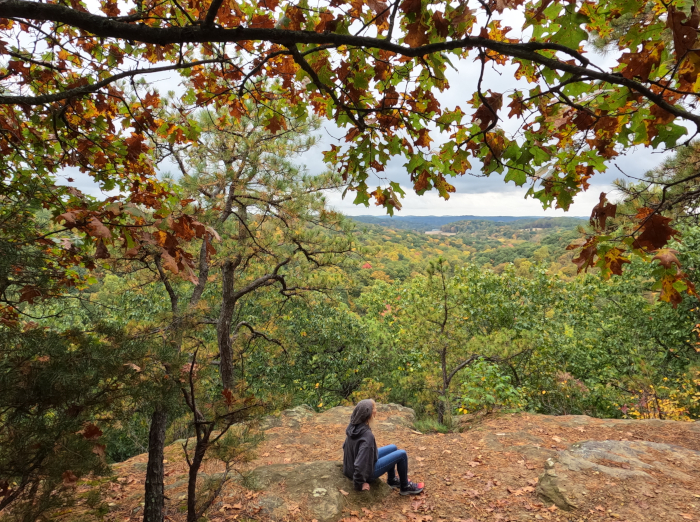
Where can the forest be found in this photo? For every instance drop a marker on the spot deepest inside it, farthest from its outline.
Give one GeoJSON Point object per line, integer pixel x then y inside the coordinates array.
{"type": "Point", "coordinates": [212, 284]}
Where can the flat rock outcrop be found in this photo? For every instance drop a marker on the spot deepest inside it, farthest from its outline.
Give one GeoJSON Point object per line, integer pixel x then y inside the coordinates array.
{"type": "Point", "coordinates": [322, 485]}
{"type": "Point", "coordinates": [512, 467]}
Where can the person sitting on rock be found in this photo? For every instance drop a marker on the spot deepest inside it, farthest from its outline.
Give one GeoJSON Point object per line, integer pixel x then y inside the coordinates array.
{"type": "Point", "coordinates": [363, 463]}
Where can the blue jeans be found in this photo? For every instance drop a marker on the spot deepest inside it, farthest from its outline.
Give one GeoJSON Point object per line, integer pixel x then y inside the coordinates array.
{"type": "Point", "coordinates": [390, 459]}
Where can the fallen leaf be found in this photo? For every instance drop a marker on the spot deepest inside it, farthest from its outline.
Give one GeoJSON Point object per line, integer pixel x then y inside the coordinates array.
{"type": "Point", "coordinates": [69, 478]}
{"type": "Point", "coordinates": [345, 493]}
{"type": "Point", "coordinates": [474, 464]}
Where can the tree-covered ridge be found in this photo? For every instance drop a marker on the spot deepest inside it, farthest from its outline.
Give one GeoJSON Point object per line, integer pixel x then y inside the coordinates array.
{"type": "Point", "coordinates": [422, 223]}
{"type": "Point", "coordinates": [394, 254]}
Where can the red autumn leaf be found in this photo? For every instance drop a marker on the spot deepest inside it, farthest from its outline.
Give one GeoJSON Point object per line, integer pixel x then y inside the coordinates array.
{"type": "Point", "coordinates": [169, 262]}
{"type": "Point", "coordinates": [411, 6]}
{"type": "Point", "coordinates": [69, 218]}
{"type": "Point", "coordinates": [228, 396]}
{"type": "Point", "coordinates": [96, 229]}
{"type": "Point", "coordinates": [29, 294]}
{"type": "Point", "coordinates": [261, 21]}
{"type": "Point", "coordinates": [69, 478]}
{"type": "Point", "coordinates": [378, 6]}
{"type": "Point", "coordinates": [183, 227]}
{"type": "Point", "coordinates": [91, 432]}
{"type": "Point", "coordinates": [641, 64]}
{"type": "Point", "coordinates": [275, 124]}
{"type": "Point", "coordinates": [101, 251]}
{"type": "Point", "coordinates": [268, 4]}
{"type": "Point", "coordinates": [296, 18]}
{"type": "Point", "coordinates": [517, 107]}
{"type": "Point", "coordinates": [417, 34]}
{"type": "Point", "coordinates": [327, 23]}
{"type": "Point", "coordinates": [685, 32]}
{"type": "Point", "coordinates": [135, 146]}
{"type": "Point", "coordinates": [656, 232]}
{"type": "Point", "coordinates": [586, 257]}
{"type": "Point", "coordinates": [602, 211]}
{"type": "Point", "coordinates": [441, 25]}
{"type": "Point", "coordinates": [487, 113]}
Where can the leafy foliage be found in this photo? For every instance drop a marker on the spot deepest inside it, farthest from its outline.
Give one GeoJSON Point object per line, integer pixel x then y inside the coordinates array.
{"type": "Point", "coordinates": [72, 96]}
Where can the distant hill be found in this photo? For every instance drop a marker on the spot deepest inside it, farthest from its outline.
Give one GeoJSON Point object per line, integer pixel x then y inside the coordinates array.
{"type": "Point", "coordinates": [423, 223]}
{"type": "Point", "coordinates": [396, 248]}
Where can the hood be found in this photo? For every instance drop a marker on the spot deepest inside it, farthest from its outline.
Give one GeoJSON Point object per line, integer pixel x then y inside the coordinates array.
{"type": "Point", "coordinates": [356, 431]}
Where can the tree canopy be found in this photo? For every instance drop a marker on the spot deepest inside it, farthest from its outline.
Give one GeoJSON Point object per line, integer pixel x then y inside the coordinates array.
{"type": "Point", "coordinates": [376, 68]}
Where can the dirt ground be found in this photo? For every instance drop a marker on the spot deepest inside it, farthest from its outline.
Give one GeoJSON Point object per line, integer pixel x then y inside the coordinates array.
{"type": "Point", "coordinates": [488, 472]}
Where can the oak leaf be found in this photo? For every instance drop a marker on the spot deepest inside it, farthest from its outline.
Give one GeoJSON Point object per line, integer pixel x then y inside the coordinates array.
{"type": "Point", "coordinates": [656, 232]}
{"type": "Point", "coordinates": [602, 211]}
{"type": "Point", "coordinates": [586, 257]}
{"type": "Point", "coordinates": [29, 294]}
{"type": "Point", "coordinates": [614, 259]}
{"type": "Point", "coordinates": [90, 432]}
{"type": "Point", "coordinates": [69, 478]}
{"type": "Point", "coordinates": [169, 262]}
{"type": "Point", "coordinates": [96, 229]}
{"type": "Point", "coordinates": [417, 34]}
{"type": "Point", "coordinates": [411, 6]}
{"type": "Point", "coordinates": [487, 113]}
{"type": "Point", "coordinates": [667, 258]}
{"type": "Point", "coordinates": [101, 251]}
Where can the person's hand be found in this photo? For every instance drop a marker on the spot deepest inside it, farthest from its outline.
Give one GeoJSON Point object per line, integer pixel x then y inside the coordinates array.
{"type": "Point", "coordinates": [365, 487]}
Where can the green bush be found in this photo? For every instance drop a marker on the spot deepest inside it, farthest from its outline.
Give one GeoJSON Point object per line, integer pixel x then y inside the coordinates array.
{"type": "Point", "coordinates": [487, 387]}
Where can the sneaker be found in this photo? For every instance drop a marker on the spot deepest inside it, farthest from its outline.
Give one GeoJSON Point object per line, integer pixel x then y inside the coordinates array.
{"type": "Point", "coordinates": [411, 489]}
{"type": "Point", "coordinates": [395, 484]}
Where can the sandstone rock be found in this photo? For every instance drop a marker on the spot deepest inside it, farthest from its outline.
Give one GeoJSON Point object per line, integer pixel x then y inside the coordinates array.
{"type": "Point", "coordinates": [294, 417]}
{"type": "Point", "coordinates": [318, 483]}
{"type": "Point", "coordinates": [621, 460]}
{"type": "Point", "coordinates": [556, 489]}
{"type": "Point", "coordinates": [291, 418]}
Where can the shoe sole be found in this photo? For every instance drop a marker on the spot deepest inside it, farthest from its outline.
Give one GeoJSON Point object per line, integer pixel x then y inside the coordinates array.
{"type": "Point", "coordinates": [406, 493]}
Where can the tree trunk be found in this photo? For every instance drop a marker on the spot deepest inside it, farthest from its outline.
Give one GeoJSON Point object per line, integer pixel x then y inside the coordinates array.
{"type": "Point", "coordinates": [445, 385]}
{"type": "Point", "coordinates": [199, 451]}
{"type": "Point", "coordinates": [153, 510]}
{"type": "Point", "coordinates": [223, 328]}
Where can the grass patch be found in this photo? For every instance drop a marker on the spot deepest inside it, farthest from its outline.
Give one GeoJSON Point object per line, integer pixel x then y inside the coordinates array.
{"type": "Point", "coordinates": [430, 426]}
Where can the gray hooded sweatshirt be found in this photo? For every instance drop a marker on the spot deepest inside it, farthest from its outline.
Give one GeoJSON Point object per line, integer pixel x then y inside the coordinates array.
{"type": "Point", "coordinates": [360, 448]}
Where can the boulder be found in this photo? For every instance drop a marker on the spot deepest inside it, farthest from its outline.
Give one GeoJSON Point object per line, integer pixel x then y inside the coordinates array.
{"type": "Point", "coordinates": [562, 483]}
{"type": "Point", "coordinates": [321, 485]}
